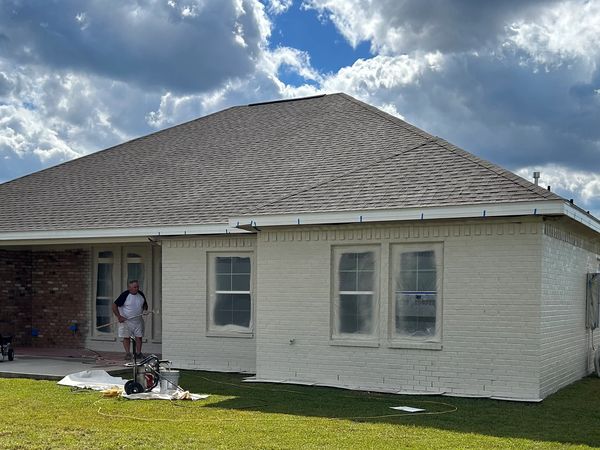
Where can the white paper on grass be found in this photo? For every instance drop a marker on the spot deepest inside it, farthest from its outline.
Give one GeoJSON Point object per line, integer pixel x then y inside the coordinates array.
{"type": "Point", "coordinates": [97, 380]}
{"type": "Point", "coordinates": [156, 395]}
{"type": "Point", "coordinates": [407, 409]}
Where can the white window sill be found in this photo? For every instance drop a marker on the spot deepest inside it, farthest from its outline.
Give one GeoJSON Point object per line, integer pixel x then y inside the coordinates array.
{"type": "Point", "coordinates": [248, 335]}
{"type": "Point", "coordinates": [416, 345]}
{"type": "Point", "coordinates": [353, 343]}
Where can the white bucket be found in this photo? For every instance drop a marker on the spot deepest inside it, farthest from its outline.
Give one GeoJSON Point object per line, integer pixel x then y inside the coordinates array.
{"type": "Point", "coordinates": [169, 380]}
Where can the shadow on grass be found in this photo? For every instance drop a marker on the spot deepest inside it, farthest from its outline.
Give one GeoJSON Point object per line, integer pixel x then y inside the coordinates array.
{"type": "Point", "coordinates": [571, 416]}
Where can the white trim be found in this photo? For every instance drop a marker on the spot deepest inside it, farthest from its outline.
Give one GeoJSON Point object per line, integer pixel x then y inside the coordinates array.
{"type": "Point", "coordinates": [586, 219]}
{"type": "Point", "coordinates": [550, 207]}
{"type": "Point", "coordinates": [168, 230]}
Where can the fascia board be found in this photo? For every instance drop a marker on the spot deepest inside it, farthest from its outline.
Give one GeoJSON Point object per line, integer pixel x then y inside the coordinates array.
{"type": "Point", "coordinates": [101, 233]}
{"type": "Point", "coordinates": [547, 207]}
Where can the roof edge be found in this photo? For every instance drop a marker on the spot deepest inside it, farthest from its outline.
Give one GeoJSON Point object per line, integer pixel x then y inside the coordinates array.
{"type": "Point", "coordinates": [506, 209]}
{"type": "Point", "coordinates": [14, 237]}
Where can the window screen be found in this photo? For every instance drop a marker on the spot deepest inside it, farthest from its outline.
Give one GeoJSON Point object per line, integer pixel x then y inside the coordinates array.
{"type": "Point", "coordinates": [354, 302]}
{"type": "Point", "coordinates": [231, 297]}
{"type": "Point", "coordinates": [417, 285]}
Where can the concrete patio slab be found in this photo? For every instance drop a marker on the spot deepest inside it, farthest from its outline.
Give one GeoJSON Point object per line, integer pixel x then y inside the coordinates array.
{"type": "Point", "coordinates": [45, 368]}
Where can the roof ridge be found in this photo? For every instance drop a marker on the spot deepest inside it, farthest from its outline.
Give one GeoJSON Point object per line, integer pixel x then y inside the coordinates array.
{"type": "Point", "coordinates": [510, 176]}
{"type": "Point", "coordinates": [342, 175]}
{"type": "Point", "coordinates": [113, 147]}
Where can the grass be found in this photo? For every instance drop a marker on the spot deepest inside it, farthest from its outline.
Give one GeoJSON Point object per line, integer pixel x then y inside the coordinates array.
{"type": "Point", "coordinates": [42, 415]}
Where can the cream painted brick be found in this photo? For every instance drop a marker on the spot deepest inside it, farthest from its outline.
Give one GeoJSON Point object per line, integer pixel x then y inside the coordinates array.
{"type": "Point", "coordinates": [185, 341]}
{"type": "Point", "coordinates": [491, 310]}
{"type": "Point", "coordinates": [565, 342]}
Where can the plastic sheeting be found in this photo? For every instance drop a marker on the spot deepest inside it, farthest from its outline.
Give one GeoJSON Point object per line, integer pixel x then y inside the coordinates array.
{"type": "Point", "coordinates": [355, 297]}
{"type": "Point", "coordinates": [230, 293]}
{"type": "Point", "coordinates": [592, 299]}
{"type": "Point", "coordinates": [417, 283]}
{"type": "Point", "coordinates": [97, 380]}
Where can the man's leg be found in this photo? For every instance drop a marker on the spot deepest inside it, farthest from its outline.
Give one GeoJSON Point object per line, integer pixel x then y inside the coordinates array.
{"type": "Point", "coordinates": [126, 344]}
{"type": "Point", "coordinates": [138, 345]}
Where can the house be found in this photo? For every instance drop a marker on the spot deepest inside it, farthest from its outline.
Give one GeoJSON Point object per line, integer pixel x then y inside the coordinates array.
{"type": "Point", "coordinates": [316, 240]}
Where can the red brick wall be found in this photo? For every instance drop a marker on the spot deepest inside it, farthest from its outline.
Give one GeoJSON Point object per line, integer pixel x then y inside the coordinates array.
{"type": "Point", "coordinates": [47, 290]}
{"type": "Point", "coordinates": [15, 295]}
{"type": "Point", "coordinates": [59, 297]}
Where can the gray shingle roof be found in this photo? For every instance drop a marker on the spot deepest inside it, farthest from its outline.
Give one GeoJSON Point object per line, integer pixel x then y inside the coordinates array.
{"type": "Point", "coordinates": [325, 153]}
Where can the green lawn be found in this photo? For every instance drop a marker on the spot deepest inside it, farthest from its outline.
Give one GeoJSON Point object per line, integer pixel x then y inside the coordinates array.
{"type": "Point", "coordinates": [40, 414]}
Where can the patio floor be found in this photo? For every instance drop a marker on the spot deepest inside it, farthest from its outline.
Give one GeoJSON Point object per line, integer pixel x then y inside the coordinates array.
{"type": "Point", "coordinates": [55, 363]}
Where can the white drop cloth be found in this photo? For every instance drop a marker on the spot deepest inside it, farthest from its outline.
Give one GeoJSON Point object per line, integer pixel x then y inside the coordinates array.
{"type": "Point", "coordinates": [98, 380]}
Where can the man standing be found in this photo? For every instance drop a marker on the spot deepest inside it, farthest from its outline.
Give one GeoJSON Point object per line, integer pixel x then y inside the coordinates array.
{"type": "Point", "coordinates": [129, 308]}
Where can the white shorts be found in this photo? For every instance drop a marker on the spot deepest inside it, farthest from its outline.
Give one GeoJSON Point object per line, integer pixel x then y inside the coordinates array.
{"type": "Point", "coordinates": [132, 327]}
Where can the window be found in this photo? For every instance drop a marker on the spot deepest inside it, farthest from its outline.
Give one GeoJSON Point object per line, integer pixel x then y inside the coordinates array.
{"type": "Point", "coordinates": [230, 293]}
{"type": "Point", "coordinates": [135, 268]}
{"type": "Point", "coordinates": [354, 306]}
{"type": "Point", "coordinates": [416, 282]}
{"type": "Point", "coordinates": [104, 291]}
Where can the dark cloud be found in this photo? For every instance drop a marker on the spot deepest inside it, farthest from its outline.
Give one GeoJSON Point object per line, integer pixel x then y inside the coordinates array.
{"type": "Point", "coordinates": [177, 46]}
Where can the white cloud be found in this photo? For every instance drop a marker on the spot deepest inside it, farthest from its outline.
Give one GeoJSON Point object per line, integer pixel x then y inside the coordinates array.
{"type": "Point", "coordinates": [581, 185]}
{"type": "Point", "coordinates": [560, 33]}
{"type": "Point", "coordinates": [279, 6]}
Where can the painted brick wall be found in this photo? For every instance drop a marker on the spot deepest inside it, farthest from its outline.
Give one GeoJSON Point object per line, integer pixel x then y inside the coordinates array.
{"type": "Point", "coordinates": [44, 290]}
{"type": "Point", "coordinates": [491, 310]}
{"type": "Point", "coordinates": [15, 295]}
{"type": "Point", "coordinates": [185, 340]}
{"type": "Point", "coordinates": [565, 342]}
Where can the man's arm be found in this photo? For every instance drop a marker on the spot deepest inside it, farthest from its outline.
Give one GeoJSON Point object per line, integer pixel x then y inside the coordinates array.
{"type": "Point", "coordinates": [145, 307]}
{"type": "Point", "coordinates": [119, 302]}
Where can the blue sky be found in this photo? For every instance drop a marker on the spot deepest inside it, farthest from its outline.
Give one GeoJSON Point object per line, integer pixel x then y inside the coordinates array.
{"type": "Point", "coordinates": [515, 82]}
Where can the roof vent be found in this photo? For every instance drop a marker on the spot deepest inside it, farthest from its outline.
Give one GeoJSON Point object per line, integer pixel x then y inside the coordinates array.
{"type": "Point", "coordinates": [536, 178]}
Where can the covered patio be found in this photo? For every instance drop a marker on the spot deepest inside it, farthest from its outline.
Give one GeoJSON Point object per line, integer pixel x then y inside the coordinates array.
{"type": "Point", "coordinates": [55, 363]}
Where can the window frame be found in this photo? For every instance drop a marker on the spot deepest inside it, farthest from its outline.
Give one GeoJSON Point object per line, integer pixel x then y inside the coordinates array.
{"type": "Point", "coordinates": [211, 292]}
{"type": "Point", "coordinates": [354, 339]}
{"type": "Point", "coordinates": [426, 342]}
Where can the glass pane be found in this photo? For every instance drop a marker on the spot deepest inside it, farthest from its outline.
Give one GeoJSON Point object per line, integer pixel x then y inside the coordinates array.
{"type": "Point", "coordinates": [240, 265]}
{"type": "Point", "coordinates": [105, 254]}
{"type": "Point", "coordinates": [408, 261]}
{"type": "Point", "coordinates": [240, 282]}
{"type": "Point", "coordinates": [348, 261]}
{"type": "Point", "coordinates": [347, 281]}
{"type": "Point", "coordinates": [224, 282]}
{"type": "Point", "coordinates": [104, 284]}
{"type": "Point", "coordinates": [406, 281]}
{"type": "Point", "coordinates": [356, 314]}
{"type": "Point", "coordinates": [426, 260]}
{"type": "Point", "coordinates": [365, 281]}
{"type": "Point", "coordinates": [416, 314]}
{"type": "Point", "coordinates": [135, 271]}
{"type": "Point", "coordinates": [241, 302]}
{"type": "Point", "coordinates": [133, 255]}
{"type": "Point", "coordinates": [103, 314]}
{"type": "Point", "coordinates": [232, 309]}
{"type": "Point", "coordinates": [427, 281]}
{"type": "Point", "coordinates": [365, 261]}
{"type": "Point", "coordinates": [222, 312]}
{"type": "Point", "coordinates": [223, 264]}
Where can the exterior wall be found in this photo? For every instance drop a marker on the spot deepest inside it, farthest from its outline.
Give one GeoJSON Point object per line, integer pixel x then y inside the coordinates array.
{"type": "Point", "coordinates": [15, 295]}
{"type": "Point", "coordinates": [59, 297]}
{"type": "Point", "coordinates": [568, 255]}
{"type": "Point", "coordinates": [490, 318]}
{"type": "Point", "coordinates": [44, 291]}
{"type": "Point", "coordinates": [185, 338]}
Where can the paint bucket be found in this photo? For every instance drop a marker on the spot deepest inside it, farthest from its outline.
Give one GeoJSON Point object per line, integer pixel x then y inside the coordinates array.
{"type": "Point", "coordinates": [169, 380]}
